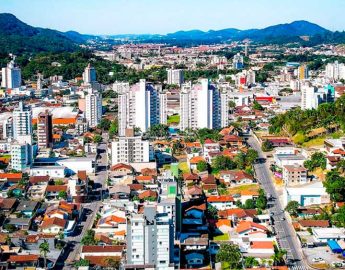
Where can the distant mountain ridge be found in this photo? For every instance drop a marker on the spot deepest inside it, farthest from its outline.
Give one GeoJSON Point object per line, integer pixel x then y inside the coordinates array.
{"type": "Point", "coordinates": [18, 37]}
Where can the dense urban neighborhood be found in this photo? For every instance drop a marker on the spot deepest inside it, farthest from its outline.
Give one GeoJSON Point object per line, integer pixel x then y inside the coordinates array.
{"type": "Point", "coordinates": [174, 152]}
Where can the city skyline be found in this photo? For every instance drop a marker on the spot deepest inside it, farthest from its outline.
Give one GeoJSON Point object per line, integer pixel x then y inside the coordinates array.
{"type": "Point", "coordinates": [158, 17]}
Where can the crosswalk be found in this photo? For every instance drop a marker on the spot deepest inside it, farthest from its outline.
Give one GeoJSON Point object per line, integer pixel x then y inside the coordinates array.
{"type": "Point", "coordinates": [298, 267]}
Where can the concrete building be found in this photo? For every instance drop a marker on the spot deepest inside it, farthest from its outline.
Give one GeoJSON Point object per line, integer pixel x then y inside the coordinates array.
{"type": "Point", "coordinates": [142, 106]}
{"type": "Point", "coordinates": [302, 72]}
{"type": "Point", "coordinates": [89, 74]}
{"type": "Point", "coordinates": [130, 150]}
{"type": "Point", "coordinates": [335, 71]}
{"type": "Point", "coordinates": [237, 61]}
{"type": "Point", "coordinates": [294, 175]}
{"type": "Point", "coordinates": [11, 76]}
{"type": "Point", "coordinates": [200, 106]}
{"type": "Point", "coordinates": [175, 76]}
{"type": "Point", "coordinates": [7, 128]}
{"type": "Point", "coordinates": [22, 121]}
{"type": "Point", "coordinates": [45, 130]}
{"type": "Point", "coordinates": [150, 240]}
{"type": "Point", "coordinates": [93, 108]}
{"type": "Point", "coordinates": [21, 156]}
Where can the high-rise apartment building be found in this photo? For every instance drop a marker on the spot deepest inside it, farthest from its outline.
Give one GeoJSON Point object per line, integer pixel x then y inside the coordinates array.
{"type": "Point", "coordinates": [89, 74]}
{"type": "Point", "coordinates": [45, 130]}
{"type": "Point", "coordinates": [150, 240]}
{"type": "Point", "coordinates": [22, 121]}
{"type": "Point", "coordinates": [11, 76]}
{"type": "Point", "coordinates": [21, 156]}
{"type": "Point", "coordinates": [175, 76]}
{"type": "Point", "coordinates": [7, 128]}
{"type": "Point", "coordinates": [302, 72]}
{"type": "Point", "coordinates": [141, 105]}
{"type": "Point", "coordinates": [200, 106]}
{"type": "Point", "coordinates": [237, 61]}
{"type": "Point", "coordinates": [131, 149]}
{"type": "Point", "coordinates": [335, 71]}
{"type": "Point", "coordinates": [93, 107]}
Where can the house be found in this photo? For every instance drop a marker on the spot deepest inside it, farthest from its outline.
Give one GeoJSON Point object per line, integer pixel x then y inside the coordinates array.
{"type": "Point", "coordinates": [23, 261]}
{"type": "Point", "coordinates": [194, 192]}
{"type": "Point", "coordinates": [309, 223]}
{"type": "Point", "coordinates": [190, 178]}
{"type": "Point", "coordinates": [119, 192]}
{"type": "Point", "coordinates": [19, 223]}
{"type": "Point", "coordinates": [232, 141]}
{"type": "Point", "coordinates": [148, 194]}
{"type": "Point", "coordinates": [294, 174]}
{"type": "Point", "coordinates": [261, 247]}
{"type": "Point", "coordinates": [145, 179]}
{"type": "Point", "coordinates": [121, 169]}
{"type": "Point", "coordinates": [112, 224]}
{"type": "Point", "coordinates": [233, 177]}
{"type": "Point", "coordinates": [221, 202]}
{"type": "Point", "coordinates": [210, 147]}
{"type": "Point", "coordinates": [248, 195]}
{"type": "Point", "coordinates": [238, 214]}
{"type": "Point", "coordinates": [27, 208]}
{"type": "Point", "coordinates": [195, 259]}
{"type": "Point", "coordinates": [8, 205]}
{"type": "Point", "coordinates": [53, 225]}
{"type": "Point", "coordinates": [53, 191]}
{"type": "Point", "coordinates": [193, 162]}
{"type": "Point", "coordinates": [105, 251]}
{"type": "Point", "coordinates": [247, 227]}
{"type": "Point", "coordinates": [223, 226]}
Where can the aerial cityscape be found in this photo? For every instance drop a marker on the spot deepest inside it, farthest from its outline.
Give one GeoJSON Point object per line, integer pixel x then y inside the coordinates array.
{"type": "Point", "coordinates": [178, 135]}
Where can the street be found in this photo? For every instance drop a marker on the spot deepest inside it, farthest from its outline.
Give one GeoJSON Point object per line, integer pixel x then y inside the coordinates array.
{"type": "Point", "coordinates": [285, 233]}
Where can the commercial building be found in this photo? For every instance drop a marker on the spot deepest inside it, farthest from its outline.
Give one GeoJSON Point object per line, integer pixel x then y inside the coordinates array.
{"type": "Point", "coordinates": [142, 106]}
{"type": "Point", "coordinates": [202, 105]}
{"type": "Point", "coordinates": [294, 174]}
{"type": "Point", "coordinates": [45, 130]}
{"type": "Point", "coordinates": [175, 76]}
{"type": "Point", "coordinates": [93, 107]}
{"type": "Point", "coordinates": [150, 240]}
{"type": "Point", "coordinates": [11, 76]}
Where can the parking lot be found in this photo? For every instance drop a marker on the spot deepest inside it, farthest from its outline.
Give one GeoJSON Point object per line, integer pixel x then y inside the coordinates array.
{"type": "Point", "coordinates": [323, 252]}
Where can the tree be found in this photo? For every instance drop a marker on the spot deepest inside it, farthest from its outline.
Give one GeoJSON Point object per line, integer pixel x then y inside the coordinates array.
{"type": "Point", "coordinates": [89, 238]}
{"type": "Point", "coordinates": [230, 254]}
{"type": "Point", "coordinates": [111, 263]}
{"type": "Point", "coordinates": [250, 262]}
{"type": "Point", "coordinates": [97, 138]}
{"type": "Point", "coordinates": [251, 156]}
{"type": "Point", "coordinates": [81, 262]}
{"type": "Point", "coordinates": [292, 208]}
{"type": "Point", "coordinates": [317, 160]}
{"type": "Point", "coordinates": [104, 124]}
{"type": "Point", "coordinates": [159, 131]}
{"type": "Point", "coordinates": [10, 228]}
{"type": "Point", "coordinates": [335, 186]}
{"type": "Point", "coordinates": [249, 204]}
{"type": "Point", "coordinates": [278, 257]}
{"type": "Point", "coordinates": [62, 195]}
{"type": "Point", "coordinates": [202, 166]}
{"type": "Point", "coordinates": [113, 129]}
{"type": "Point", "coordinates": [212, 212]}
{"type": "Point", "coordinates": [223, 163]}
{"type": "Point", "coordinates": [267, 146]}
{"type": "Point", "coordinates": [261, 201]}
{"type": "Point", "coordinates": [257, 106]}
{"type": "Point", "coordinates": [44, 250]}
{"type": "Point", "coordinates": [339, 217]}
{"type": "Point", "coordinates": [240, 160]}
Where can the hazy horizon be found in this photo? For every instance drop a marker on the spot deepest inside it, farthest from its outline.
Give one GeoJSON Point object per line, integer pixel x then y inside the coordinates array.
{"type": "Point", "coordinates": [114, 17]}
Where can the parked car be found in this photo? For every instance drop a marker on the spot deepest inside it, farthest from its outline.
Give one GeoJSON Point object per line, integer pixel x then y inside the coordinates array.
{"type": "Point", "coordinates": [318, 260]}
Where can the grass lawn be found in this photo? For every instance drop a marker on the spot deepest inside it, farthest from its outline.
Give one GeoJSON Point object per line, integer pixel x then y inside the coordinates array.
{"type": "Point", "coordinates": [225, 266]}
{"type": "Point", "coordinates": [249, 187]}
{"type": "Point", "coordinates": [183, 166]}
{"type": "Point", "coordinates": [6, 156]}
{"type": "Point", "coordinates": [314, 142]}
{"type": "Point", "coordinates": [222, 237]}
{"type": "Point", "coordinates": [174, 119]}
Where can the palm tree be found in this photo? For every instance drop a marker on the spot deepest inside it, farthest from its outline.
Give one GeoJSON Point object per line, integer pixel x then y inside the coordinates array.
{"type": "Point", "coordinates": [44, 250]}
{"type": "Point", "coordinates": [278, 256]}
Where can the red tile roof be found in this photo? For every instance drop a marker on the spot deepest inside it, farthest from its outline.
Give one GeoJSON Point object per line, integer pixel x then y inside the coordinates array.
{"type": "Point", "coordinates": [23, 258]}
{"type": "Point", "coordinates": [49, 222]}
{"type": "Point", "coordinates": [102, 249]}
{"type": "Point", "coordinates": [222, 198]}
{"type": "Point", "coordinates": [261, 245]}
{"type": "Point", "coordinates": [243, 226]}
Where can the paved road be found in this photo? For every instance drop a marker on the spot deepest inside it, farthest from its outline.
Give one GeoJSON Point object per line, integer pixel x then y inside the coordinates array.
{"type": "Point", "coordinates": [286, 235]}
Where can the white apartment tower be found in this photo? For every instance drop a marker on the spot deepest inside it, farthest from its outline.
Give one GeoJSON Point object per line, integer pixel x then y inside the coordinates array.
{"type": "Point", "coordinates": [11, 76]}
{"type": "Point", "coordinates": [150, 240]}
{"type": "Point", "coordinates": [175, 76]}
{"type": "Point", "coordinates": [335, 71]}
{"type": "Point", "coordinates": [200, 106]}
{"type": "Point", "coordinates": [21, 156]}
{"type": "Point", "coordinates": [93, 107]}
{"type": "Point", "coordinates": [308, 97]}
{"type": "Point", "coordinates": [89, 74]}
{"type": "Point", "coordinates": [141, 105]}
{"type": "Point", "coordinates": [22, 121]}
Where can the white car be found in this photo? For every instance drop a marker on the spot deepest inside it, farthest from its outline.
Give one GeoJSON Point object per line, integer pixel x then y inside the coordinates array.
{"type": "Point", "coordinates": [318, 260]}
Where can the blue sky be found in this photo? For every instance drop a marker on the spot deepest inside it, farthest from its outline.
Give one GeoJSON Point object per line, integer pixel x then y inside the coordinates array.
{"type": "Point", "coordinates": [165, 16]}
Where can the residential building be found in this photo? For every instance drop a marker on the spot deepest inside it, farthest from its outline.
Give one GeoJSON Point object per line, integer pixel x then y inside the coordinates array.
{"type": "Point", "coordinates": [130, 150]}
{"type": "Point", "coordinates": [7, 128]}
{"type": "Point", "coordinates": [200, 106]}
{"type": "Point", "coordinates": [22, 121]}
{"type": "Point", "coordinates": [302, 72]}
{"type": "Point", "coordinates": [142, 106]}
{"type": "Point", "coordinates": [89, 74]}
{"type": "Point", "coordinates": [335, 71]}
{"type": "Point", "coordinates": [294, 174]}
{"type": "Point", "coordinates": [237, 61]}
{"type": "Point", "coordinates": [11, 76]}
{"type": "Point", "coordinates": [45, 130]}
{"type": "Point", "coordinates": [93, 107]}
{"type": "Point", "coordinates": [150, 240]}
{"type": "Point", "coordinates": [21, 156]}
{"type": "Point", "coordinates": [175, 76]}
